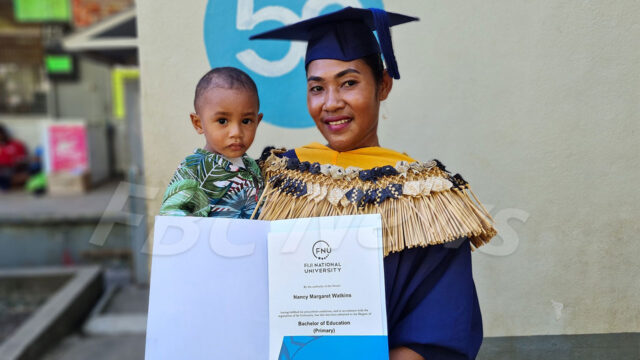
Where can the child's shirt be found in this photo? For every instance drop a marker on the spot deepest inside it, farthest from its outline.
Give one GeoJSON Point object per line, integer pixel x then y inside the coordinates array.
{"type": "Point", "coordinates": [208, 184]}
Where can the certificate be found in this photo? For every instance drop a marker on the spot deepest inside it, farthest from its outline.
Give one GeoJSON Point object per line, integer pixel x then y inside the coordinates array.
{"type": "Point", "coordinates": [326, 289]}
{"type": "Point", "coordinates": [209, 290]}
{"type": "Point", "coordinates": [248, 289]}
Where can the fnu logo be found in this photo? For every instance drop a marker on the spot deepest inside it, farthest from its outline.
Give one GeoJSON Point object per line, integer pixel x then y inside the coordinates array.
{"type": "Point", "coordinates": [276, 66]}
{"type": "Point", "coordinates": [321, 249]}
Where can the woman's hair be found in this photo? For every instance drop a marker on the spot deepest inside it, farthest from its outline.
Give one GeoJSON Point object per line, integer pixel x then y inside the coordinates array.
{"type": "Point", "coordinates": [374, 62]}
{"type": "Point", "coordinates": [377, 68]}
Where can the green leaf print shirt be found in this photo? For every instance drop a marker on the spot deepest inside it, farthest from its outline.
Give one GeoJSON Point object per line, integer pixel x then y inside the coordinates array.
{"type": "Point", "coordinates": [207, 184]}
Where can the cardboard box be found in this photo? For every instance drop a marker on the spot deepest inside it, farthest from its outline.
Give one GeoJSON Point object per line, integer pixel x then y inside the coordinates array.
{"type": "Point", "coordinates": [68, 183]}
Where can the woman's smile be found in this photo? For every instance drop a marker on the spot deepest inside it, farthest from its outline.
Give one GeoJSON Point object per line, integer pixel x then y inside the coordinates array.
{"type": "Point", "coordinates": [337, 123]}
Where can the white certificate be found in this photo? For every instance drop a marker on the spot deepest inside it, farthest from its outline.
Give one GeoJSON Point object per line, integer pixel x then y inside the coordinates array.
{"type": "Point", "coordinates": [326, 289]}
{"type": "Point", "coordinates": [209, 291]}
{"type": "Point", "coordinates": [211, 296]}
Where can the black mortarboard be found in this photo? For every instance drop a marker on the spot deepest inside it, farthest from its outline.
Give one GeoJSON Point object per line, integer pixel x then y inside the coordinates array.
{"type": "Point", "coordinates": [345, 35]}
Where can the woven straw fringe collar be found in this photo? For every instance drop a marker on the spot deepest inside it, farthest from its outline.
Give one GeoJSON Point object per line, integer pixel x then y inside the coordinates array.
{"type": "Point", "coordinates": [421, 204]}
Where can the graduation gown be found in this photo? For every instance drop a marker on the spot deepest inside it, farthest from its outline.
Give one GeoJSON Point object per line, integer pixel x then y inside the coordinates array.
{"type": "Point", "coordinates": [432, 305]}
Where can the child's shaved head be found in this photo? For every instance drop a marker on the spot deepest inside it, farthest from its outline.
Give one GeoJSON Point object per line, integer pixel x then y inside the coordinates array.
{"type": "Point", "coordinates": [225, 78]}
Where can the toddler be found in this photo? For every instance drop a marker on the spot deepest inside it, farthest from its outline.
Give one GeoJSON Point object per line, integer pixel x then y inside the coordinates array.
{"type": "Point", "coordinates": [219, 179]}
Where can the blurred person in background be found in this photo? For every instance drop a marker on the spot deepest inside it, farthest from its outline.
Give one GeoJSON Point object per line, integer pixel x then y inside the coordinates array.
{"type": "Point", "coordinates": [13, 161]}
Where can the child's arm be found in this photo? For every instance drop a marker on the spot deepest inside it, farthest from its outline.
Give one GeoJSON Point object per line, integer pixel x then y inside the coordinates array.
{"type": "Point", "coordinates": [184, 198]}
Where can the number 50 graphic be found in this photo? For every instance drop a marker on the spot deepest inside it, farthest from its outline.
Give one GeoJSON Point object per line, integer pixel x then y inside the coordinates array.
{"type": "Point", "coordinates": [275, 66]}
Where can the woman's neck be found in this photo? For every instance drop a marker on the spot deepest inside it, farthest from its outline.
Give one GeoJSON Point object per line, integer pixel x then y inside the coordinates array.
{"type": "Point", "coordinates": [364, 143]}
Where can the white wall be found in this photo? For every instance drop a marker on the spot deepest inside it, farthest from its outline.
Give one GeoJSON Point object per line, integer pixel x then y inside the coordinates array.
{"type": "Point", "coordinates": [536, 103]}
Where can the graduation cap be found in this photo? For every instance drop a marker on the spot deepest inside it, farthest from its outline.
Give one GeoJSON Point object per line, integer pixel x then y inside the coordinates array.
{"type": "Point", "coordinates": [345, 35]}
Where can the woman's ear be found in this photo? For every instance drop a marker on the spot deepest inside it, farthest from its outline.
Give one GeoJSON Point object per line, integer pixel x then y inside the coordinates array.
{"type": "Point", "coordinates": [384, 88]}
{"type": "Point", "coordinates": [196, 122]}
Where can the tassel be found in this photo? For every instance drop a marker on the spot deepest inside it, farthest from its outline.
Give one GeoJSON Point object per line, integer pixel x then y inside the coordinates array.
{"type": "Point", "coordinates": [439, 213]}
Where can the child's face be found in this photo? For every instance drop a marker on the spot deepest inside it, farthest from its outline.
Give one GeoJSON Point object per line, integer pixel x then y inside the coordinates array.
{"type": "Point", "coordinates": [228, 118]}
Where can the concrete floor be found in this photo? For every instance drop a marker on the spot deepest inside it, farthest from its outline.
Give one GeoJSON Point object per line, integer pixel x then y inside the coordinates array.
{"type": "Point", "coordinates": [119, 347]}
{"type": "Point", "coordinates": [563, 347]}
{"type": "Point", "coordinates": [129, 299]}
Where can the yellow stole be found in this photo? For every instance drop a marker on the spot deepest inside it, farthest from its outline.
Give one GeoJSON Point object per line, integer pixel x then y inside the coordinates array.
{"type": "Point", "coordinates": [365, 158]}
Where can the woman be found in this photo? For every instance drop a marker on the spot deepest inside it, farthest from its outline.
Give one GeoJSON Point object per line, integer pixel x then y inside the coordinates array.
{"type": "Point", "coordinates": [429, 218]}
